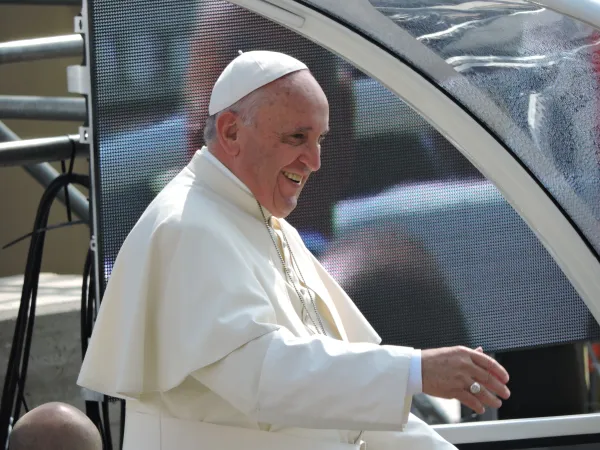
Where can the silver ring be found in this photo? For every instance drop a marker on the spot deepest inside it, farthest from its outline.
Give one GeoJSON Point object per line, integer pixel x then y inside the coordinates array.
{"type": "Point", "coordinates": [475, 388]}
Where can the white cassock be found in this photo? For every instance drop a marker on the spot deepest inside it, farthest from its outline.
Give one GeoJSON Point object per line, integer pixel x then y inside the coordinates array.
{"type": "Point", "coordinates": [204, 336]}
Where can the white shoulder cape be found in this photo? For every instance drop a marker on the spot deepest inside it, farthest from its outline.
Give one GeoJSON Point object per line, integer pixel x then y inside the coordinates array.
{"type": "Point", "coordinates": [191, 284]}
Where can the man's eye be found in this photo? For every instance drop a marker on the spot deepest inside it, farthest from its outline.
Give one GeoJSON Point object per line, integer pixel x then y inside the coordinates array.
{"type": "Point", "coordinates": [296, 139]}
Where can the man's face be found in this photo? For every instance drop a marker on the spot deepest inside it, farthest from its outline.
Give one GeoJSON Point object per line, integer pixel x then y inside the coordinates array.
{"type": "Point", "coordinates": [282, 146]}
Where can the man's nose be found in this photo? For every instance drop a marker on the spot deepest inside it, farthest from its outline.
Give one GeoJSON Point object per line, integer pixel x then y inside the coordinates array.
{"type": "Point", "coordinates": [312, 157]}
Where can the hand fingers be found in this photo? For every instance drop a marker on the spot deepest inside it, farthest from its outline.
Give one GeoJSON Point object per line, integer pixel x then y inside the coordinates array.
{"type": "Point", "coordinates": [468, 399]}
{"type": "Point", "coordinates": [490, 365]}
{"type": "Point", "coordinates": [489, 399]}
{"type": "Point", "coordinates": [479, 349]}
{"type": "Point", "coordinates": [478, 402]}
{"type": "Point", "coordinates": [490, 382]}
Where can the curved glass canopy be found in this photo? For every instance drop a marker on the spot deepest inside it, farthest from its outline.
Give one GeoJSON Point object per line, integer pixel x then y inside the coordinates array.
{"type": "Point", "coordinates": [529, 74]}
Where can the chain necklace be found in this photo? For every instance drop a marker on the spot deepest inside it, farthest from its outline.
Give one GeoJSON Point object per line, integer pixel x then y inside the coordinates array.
{"type": "Point", "coordinates": [289, 275]}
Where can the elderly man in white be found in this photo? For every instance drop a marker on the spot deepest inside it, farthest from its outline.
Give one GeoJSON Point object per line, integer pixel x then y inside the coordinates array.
{"type": "Point", "coordinates": [222, 331]}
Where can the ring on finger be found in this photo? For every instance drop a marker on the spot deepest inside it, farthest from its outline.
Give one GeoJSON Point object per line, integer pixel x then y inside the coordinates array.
{"type": "Point", "coordinates": [475, 388]}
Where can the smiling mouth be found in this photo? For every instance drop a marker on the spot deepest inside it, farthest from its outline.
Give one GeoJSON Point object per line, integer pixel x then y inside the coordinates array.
{"type": "Point", "coordinates": [293, 177]}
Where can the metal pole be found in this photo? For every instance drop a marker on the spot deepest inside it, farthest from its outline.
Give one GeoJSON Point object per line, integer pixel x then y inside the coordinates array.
{"type": "Point", "coordinates": [30, 151]}
{"type": "Point", "coordinates": [42, 2]}
{"type": "Point", "coordinates": [42, 48]}
{"type": "Point", "coordinates": [44, 173]}
{"type": "Point", "coordinates": [42, 108]}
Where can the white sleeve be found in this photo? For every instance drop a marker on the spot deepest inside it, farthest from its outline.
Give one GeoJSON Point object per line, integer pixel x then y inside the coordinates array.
{"type": "Point", "coordinates": [415, 375]}
{"type": "Point", "coordinates": [315, 382]}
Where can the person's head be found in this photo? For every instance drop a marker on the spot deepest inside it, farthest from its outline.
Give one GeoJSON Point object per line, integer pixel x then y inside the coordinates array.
{"type": "Point", "coordinates": [271, 138]}
{"type": "Point", "coordinates": [55, 426]}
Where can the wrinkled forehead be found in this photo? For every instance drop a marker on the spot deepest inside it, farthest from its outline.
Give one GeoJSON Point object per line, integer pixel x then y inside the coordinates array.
{"type": "Point", "coordinates": [297, 99]}
{"type": "Point", "coordinates": [300, 84]}
{"type": "Point", "coordinates": [299, 113]}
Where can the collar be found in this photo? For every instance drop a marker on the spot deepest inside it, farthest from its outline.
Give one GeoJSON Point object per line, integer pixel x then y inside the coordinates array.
{"type": "Point", "coordinates": [213, 159]}
{"type": "Point", "coordinates": [212, 173]}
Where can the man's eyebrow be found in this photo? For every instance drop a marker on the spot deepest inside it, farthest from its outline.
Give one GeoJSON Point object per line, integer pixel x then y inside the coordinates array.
{"type": "Point", "coordinates": [301, 130]}
{"type": "Point", "coordinates": [304, 129]}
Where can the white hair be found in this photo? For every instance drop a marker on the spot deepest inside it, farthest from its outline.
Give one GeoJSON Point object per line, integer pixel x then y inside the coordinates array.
{"type": "Point", "coordinates": [245, 108]}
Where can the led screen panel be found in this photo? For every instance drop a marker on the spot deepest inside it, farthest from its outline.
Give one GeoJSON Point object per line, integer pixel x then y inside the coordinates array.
{"type": "Point", "coordinates": [427, 247]}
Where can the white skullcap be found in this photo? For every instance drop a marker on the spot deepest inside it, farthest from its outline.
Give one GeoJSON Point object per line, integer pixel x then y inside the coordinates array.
{"type": "Point", "coordinates": [247, 73]}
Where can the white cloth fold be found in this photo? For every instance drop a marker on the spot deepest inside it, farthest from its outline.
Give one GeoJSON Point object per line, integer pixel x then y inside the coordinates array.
{"type": "Point", "coordinates": [287, 380]}
{"type": "Point", "coordinates": [219, 165]}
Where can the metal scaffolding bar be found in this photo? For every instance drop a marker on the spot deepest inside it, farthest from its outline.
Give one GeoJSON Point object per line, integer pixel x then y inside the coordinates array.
{"type": "Point", "coordinates": [41, 48]}
{"type": "Point", "coordinates": [42, 108]}
{"type": "Point", "coordinates": [33, 151]}
{"type": "Point", "coordinates": [42, 2]}
{"type": "Point", "coordinates": [44, 173]}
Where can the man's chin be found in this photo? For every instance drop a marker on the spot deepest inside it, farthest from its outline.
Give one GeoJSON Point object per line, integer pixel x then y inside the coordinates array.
{"type": "Point", "coordinates": [286, 208]}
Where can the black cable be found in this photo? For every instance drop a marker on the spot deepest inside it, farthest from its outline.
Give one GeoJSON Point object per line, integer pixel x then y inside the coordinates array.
{"type": "Point", "coordinates": [67, 200]}
{"type": "Point", "coordinates": [36, 275]}
{"type": "Point", "coordinates": [71, 164]}
{"type": "Point", "coordinates": [106, 421]}
{"type": "Point", "coordinates": [14, 383]}
{"type": "Point", "coordinates": [18, 361]}
{"type": "Point", "coordinates": [84, 288]}
{"type": "Point", "coordinates": [9, 385]}
{"type": "Point", "coordinates": [122, 430]}
{"type": "Point", "coordinates": [97, 411]}
{"type": "Point", "coordinates": [31, 321]}
{"type": "Point", "coordinates": [27, 349]}
{"type": "Point", "coordinates": [93, 412]}
{"type": "Point", "coordinates": [48, 228]}
{"type": "Point", "coordinates": [25, 359]}
{"type": "Point", "coordinates": [24, 402]}
{"type": "Point", "coordinates": [92, 407]}
{"type": "Point", "coordinates": [17, 340]}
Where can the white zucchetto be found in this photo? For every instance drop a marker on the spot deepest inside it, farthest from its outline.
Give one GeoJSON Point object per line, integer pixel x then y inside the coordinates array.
{"type": "Point", "coordinates": [248, 72]}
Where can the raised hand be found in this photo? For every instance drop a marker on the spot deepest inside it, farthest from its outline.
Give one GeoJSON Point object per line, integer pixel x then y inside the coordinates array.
{"type": "Point", "coordinates": [450, 372]}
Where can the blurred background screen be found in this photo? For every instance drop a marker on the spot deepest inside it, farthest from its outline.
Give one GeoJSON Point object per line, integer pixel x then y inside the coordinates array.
{"type": "Point", "coordinates": [427, 247]}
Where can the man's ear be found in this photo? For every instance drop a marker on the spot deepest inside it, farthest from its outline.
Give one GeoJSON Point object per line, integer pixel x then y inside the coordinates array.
{"type": "Point", "coordinates": [227, 132]}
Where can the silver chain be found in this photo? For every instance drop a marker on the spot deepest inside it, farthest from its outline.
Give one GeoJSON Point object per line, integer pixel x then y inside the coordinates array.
{"type": "Point", "coordinates": [287, 272]}
{"type": "Point", "coordinates": [289, 276]}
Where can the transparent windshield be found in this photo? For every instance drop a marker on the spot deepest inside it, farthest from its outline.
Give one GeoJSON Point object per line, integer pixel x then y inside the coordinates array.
{"type": "Point", "coordinates": [529, 74]}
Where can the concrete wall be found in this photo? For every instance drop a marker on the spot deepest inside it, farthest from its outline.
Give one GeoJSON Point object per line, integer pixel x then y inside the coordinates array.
{"type": "Point", "coordinates": [19, 193]}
